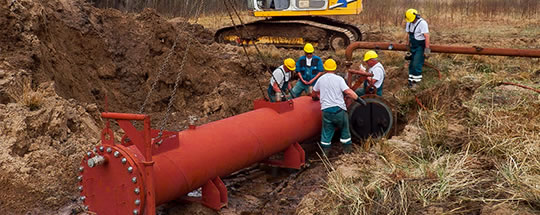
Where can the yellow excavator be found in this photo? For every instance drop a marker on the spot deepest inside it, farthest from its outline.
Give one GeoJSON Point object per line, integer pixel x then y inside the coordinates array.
{"type": "Point", "coordinates": [292, 23]}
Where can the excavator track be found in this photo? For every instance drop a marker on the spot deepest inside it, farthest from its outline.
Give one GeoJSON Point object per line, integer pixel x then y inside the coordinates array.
{"type": "Point", "coordinates": [322, 32]}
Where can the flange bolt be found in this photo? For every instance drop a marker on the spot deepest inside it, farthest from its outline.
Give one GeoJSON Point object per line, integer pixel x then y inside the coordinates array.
{"type": "Point", "coordinates": [124, 160]}
{"type": "Point", "coordinates": [134, 179]}
{"type": "Point", "coordinates": [81, 169]}
{"type": "Point", "coordinates": [137, 191]}
{"type": "Point", "coordinates": [95, 161]}
{"type": "Point", "coordinates": [79, 178]}
{"type": "Point", "coordinates": [135, 212]}
{"type": "Point", "coordinates": [137, 202]}
{"type": "Point", "coordinates": [101, 148]}
{"type": "Point", "coordinates": [116, 154]}
{"type": "Point", "coordinates": [80, 188]}
{"type": "Point", "coordinates": [109, 150]}
{"type": "Point", "coordinates": [83, 198]}
{"type": "Point", "coordinates": [130, 169]}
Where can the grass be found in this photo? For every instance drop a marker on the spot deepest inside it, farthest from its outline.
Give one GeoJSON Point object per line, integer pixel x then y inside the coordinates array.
{"type": "Point", "coordinates": [495, 162]}
{"type": "Point", "coordinates": [479, 141]}
{"type": "Point", "coordinates": [23, 93]}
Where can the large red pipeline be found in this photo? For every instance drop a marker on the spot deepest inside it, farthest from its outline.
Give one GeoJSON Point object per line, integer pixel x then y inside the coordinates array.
{"type": "Point", "coordinates": [444, 49]}
{"type": "Point", "coordinates": [146, 170]}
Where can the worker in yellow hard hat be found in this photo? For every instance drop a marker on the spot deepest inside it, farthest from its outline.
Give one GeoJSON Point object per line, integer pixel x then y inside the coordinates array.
{"type": "Point", "coordinates": [309, 68]}
{"type": "Point", "coordinates": [279, 82]}
{"type": "Point", "coordinates": [419, 43]}
{"type": "Point", "coordinates": [330, 89]}
{"type": "Point", "coordinates": [375, 74]}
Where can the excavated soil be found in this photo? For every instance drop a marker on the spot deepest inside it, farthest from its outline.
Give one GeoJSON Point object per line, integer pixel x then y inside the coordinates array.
{"type": "Point", "coordinates": [63, 62]}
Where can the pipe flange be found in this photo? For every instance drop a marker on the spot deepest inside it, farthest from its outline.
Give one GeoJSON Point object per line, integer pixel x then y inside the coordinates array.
{"type": "Point", "coordinates": [112, 180]}
{"type": "Point", "coordinates": [373, 120]}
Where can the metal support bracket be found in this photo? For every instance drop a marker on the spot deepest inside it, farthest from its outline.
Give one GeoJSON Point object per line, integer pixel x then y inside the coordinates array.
{"type": "Point", "coordinates": [294, 157]}
{"type": "Point", "coordinates": [214, 195]}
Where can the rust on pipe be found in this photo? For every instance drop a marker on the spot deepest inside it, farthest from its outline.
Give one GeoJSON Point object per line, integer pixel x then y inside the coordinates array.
{"type": "Point", "coordinates": [475, 50]}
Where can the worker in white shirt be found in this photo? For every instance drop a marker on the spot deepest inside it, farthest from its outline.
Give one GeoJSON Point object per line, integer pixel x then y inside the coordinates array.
{"type": "Point", "coordinates": [419, 43]}
{"type": "Point", "coordinates": [330, 89]}
{"type": "Point", "coordinates": [375, 75]}
{"type": "Point", "coordinates": [280, 80]}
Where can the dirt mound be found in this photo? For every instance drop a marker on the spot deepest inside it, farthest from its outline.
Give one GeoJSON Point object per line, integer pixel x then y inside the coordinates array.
{"type": "Point", "coordinates": [43, 137]}
{"type": "Point", "coordinates": [59, 61]}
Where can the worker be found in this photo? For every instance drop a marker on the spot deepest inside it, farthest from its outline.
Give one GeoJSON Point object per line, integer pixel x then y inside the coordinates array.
{"type": "Point", "coordinates": [418, 42]}
{"type": "Point", "coordinates": [375, 75]}
{"type": "Point", "coordinates": [331, 88]}
{"type": "Point", "coordinates": [309, 69]}
{"type": "Point", "coordinates": [279, 82]}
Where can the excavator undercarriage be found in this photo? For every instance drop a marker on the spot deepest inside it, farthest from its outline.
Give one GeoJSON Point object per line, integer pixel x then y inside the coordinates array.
{"type": "Point", "coordinates": [291, 32]}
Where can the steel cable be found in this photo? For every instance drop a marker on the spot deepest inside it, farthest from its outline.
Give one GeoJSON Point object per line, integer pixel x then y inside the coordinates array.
{"type": "Point", "coordinates": [259, 53]}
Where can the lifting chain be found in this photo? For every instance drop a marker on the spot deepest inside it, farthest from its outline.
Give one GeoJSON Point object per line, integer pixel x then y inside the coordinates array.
{"type": "Point", "coordinates": [161, 69]}
{"type": "Point", "coordinates": [259, 53]}
{"type": "Point", "coordinates": [186, 52]}
{"type": "Point", "coordinates": [245, 51]}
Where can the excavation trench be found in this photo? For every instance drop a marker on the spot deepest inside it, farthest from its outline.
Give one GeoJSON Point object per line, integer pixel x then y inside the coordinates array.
{"type": "Point", "coordinates": [74, 61]}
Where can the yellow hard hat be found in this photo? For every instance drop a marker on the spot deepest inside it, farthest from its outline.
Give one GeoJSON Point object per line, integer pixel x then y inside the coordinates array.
{"type": "Point", "coordinates": [290, 64]}
{"type": "Point", "coordinates": [410, 15]}
{"type": "Point", "coordinates": [330, 65]}
{"type": "Point", "coordinates": [370, 55]}
{"type": "Point", "coordinates": [308, 48]}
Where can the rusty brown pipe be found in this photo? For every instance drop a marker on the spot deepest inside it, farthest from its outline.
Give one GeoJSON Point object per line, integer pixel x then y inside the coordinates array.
{"type": "Point", "coordinates": [475, 50]}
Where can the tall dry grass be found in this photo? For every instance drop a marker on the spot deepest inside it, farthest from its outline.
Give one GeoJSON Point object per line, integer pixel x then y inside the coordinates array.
{"type": "Point", "coordinates": [479, 148]}
{"type": "Point", "coordinates": [440, 11]}
{"type": "Point", "coordinates": [380, 11]}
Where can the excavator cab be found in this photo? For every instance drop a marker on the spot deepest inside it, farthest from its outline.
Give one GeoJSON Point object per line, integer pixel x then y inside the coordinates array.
{"type": "Point", "coordinates": [293, 23]}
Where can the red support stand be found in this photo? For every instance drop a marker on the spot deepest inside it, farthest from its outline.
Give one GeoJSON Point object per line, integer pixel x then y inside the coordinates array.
{"type": "Point", "coordinates": [294, 157]}
{"type": "Point", "coordinates": [214, 194]}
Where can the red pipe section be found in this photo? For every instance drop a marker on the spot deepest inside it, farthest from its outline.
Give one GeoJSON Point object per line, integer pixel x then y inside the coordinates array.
{"type": "Point", "coordinates": [184, 161]}
{"type": "Point", "coordinates": [475, 50]}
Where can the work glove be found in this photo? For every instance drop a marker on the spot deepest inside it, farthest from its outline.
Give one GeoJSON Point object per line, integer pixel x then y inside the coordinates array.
{"type": "Point", "coordinates": [372, 90]}
{"type": "Point", "coordinates": [362, 67]}
{"type": "Point", "coordinates": [408, 56]}
{"type": "Point", "coordinates": [427, 52]}
{"type": "Point", "coordinates": [361, 101]}
{"type": "Point", "coordinates": [279, 95]}
{"type": "Point", "coordinates": [314, 97]}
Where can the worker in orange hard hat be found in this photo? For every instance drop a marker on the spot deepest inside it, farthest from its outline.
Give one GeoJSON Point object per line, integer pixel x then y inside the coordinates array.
{"type": "Point", "coordinates": [375, 74]}
{"type": "Point", "coordinates": [309, 68]}
{"type": "Point", "coordinates": [419, 43]}
{"type": "Point", "coordinates": [279, 82]}
{"type": "Point", "coordinates": [331, 88]}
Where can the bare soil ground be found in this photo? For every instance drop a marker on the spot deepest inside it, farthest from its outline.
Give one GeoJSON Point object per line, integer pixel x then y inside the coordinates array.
{"type": "Point", "coordinates": [60, 59]}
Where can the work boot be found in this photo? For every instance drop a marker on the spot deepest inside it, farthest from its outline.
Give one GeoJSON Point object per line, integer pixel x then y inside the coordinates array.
{"type": "Point", "coordinates": [347, 148]}
{"type": "Point", "coordinates": [413, 85]}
